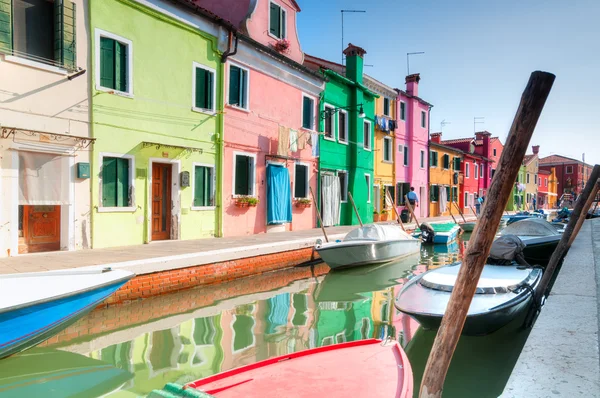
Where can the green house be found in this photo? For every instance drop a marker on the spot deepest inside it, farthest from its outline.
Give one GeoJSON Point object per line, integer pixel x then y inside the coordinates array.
{"type": "Point", "coordinates": [347, 129]}
{"type": "Point", "coordinates": [516, 201]}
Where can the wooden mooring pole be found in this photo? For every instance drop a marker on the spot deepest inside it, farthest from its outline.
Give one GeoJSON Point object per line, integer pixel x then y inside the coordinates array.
{"type": "Point", "coordinates": [528, 113]}
{"type": "Point", "coordinates": [474, 212]}
{"type": "Point", "coordinates": [387, 194]}
{"type": "Point", "coordinates": [460, 212]}
{"type": "Point", "coordinates": [411, 209]}
{"type": "Point", "coordinates": [319, 215]}
{"type": "Point", "coordinates": [450, 211]}
{"type": "Point", "coordinates": [355, 209]}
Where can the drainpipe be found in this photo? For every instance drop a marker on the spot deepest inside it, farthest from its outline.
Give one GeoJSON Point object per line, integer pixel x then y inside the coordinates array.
{"type": "Point", "coordinates": [228, 53]}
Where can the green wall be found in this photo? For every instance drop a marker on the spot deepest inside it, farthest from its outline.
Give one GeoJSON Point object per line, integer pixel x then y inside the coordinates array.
{"type": "Point", "coordinates": [352, 157]}
{"type": "Point", "coordinates": [159, 112]}
{"type": "Point", "coordinates": [511, 205]}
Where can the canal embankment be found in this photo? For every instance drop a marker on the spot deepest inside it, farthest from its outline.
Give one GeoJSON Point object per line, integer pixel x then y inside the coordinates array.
{"type": "Point", "coordinates": [169, 266]}
{"type": "Point", "coordinates": [561, 357]}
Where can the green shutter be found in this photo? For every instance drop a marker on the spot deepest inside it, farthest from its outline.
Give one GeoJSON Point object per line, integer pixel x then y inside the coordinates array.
{"type": "Point", "coordinates": [208, 186]}
{"type": "Point", "coordinates": [109, 182]}
{"type": "Point", "coordinates": [121, 66]}
{"type": "Point", "coordinates": [234, 86]}
{"type": "Point", "coordinates": [107, 63]}
{"type": "Point", "coordinates": [6, 42]}
{"type": "Point", "coordinates": [243, 83]}
{"type": "Point", "coordinates": [209, 90]}
{"type": "Point", "coordinates": [242, 173]}
{"type": "Point", "coordinates": [274, 14]}
{"type": "Point", "coordinates": [64, 34]}
{"type": "Point", "coordinates": [306, 113]}
{"type": "Point", "coordinates": [200, 88]}
{"type": "Point", "coordinates": [283, 24]}
{"type": "Point", "coordinates": [199, 183]}
{"type": "Point", "coordinates": [300, 188]}
{"type": "Point", "coordinates": [122, 182]}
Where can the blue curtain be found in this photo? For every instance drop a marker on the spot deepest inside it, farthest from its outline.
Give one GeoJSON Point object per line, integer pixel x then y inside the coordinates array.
{"type": "Point", "coordinates": [279, 195]}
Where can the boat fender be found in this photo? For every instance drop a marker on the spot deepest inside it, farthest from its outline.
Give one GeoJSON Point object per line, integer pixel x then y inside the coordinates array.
{"type": "Point", "coordinates": [427, 232]}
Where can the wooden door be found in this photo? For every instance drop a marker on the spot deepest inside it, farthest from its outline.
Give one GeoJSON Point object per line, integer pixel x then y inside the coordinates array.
{"type": "Point", "coordinates": [41, 229]}
{"type": "Point", "coordinates": [161, 201]}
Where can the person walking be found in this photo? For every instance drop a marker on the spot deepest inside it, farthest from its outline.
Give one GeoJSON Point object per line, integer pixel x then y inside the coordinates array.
{"type": "Point", "coordinates": [413, 200]}
{"type": "Point", "coordinates": [478, 203]}
{"type": "Point", "coordinates": [534, 203]}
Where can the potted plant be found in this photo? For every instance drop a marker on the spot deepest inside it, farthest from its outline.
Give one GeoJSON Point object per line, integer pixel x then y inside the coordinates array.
{"type": "Point", "coordinates": [375, 216]}
{"type": "Point", "coordinates": [383, 216]}
{"type": "Point", "coordinates": [303, 203]}
{"type": "Point", "coordinates": [282, 45]}
{"type": "Point", "coordinates": [246, 201]}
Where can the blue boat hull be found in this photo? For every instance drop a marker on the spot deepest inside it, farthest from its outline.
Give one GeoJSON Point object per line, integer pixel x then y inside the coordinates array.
{"type": "Point", "coordinates": [26, 327]}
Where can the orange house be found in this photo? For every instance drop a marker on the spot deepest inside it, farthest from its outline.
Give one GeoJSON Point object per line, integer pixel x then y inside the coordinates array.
{"type": "Point", "coordinates": [444, 179]}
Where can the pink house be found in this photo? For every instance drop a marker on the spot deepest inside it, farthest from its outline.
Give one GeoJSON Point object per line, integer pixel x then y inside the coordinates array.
{"type": "Point", "coordinates": [271, 103]}
{"type": "Point", "coordinates": [412, 138]}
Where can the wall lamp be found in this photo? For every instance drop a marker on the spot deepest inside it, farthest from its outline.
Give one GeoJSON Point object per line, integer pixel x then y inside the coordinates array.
{"type": "Point", "coordinates": [330, 112]}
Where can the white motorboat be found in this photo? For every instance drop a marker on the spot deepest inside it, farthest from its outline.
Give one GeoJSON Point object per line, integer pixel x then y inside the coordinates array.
{"type": "Point", "coordinates": [369, 244]}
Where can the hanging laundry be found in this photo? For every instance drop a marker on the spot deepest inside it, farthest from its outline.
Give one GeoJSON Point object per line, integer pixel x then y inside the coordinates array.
{"type": "Point", "coordinates": [293, 140]}
{"type": "Point", "coordinates": [314, 138]}
{"type": "Point", "coordinates": [302, 138]}
{"type": "Point", "coordinates": [393, 125]}
{"type": "Point", "coordinates": [284, 141]}
{"type": "Point", "coordinates": [377, 121]}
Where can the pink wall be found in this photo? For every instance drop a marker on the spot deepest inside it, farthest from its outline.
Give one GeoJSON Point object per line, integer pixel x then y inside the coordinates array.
{"type": "Point", "coordinates": [271, 103]}
{"type": "Point", "coordinates": [258, 27]}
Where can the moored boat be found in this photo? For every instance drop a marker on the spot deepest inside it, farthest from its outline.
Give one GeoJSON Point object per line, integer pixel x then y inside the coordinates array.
{"type": "Point", "coordinates": [369, 244]}
{"type": "Point", "coordinates": [539, 236]}
{"type": "Point", "coordinates": [35, 306]}
{"type": "Point", "coordinates": [439, 233]}
{"type": "Point", "coordinates": [468, 226]}
{"type": "Point", "coordinates": [364, 368]}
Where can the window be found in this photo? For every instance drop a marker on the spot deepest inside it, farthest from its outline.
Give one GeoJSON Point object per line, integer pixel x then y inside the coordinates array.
{"type": "Point", "coordinates": [115, 63]}
{"type": "Point", "coordinates": [308, 113]}
{"type": "Point", "coordinates": [545, 182]}
{"type": "Point", "coordinates": [535, 179]}
{"type": "Point", "coordinates": [386, 106]}
{"type": "Point", "coordinates": [569, 170]}
{"type": "Point", "coordinates": [244, 174]}
{"type": "Point", "coordinates": [343, 126]}
{"type": "Point", "coordinates": [402, 110]}
{"type": "Point", "coordinates": [481, 171]}
{"type": "Point", "coordinates": [300, 181]}
{"type": "Point", "coordinates": [277, 21]}
{"type": "Point", "coordinates": [476, 171]}
{"type": "Point", "coordinates": [367, 135]}
{"type": "Point", "coordinates": [328, 121]}
{"type": "Point", "coordinates": [402, 188]}
{"type": "Point", "coordinates": [455, 194]}
{"type": "Point", "coordinates": [41, 31]}
{"type": "Point", "coordinates": [405, 155]}
{"type": "Point", "coordinates": [467, 169]}
{"type": "Point", "coordinates": [422, 159]}
{"type": "Point", "coordinates": [446, 161]}
{"type": "Point", "coordinates": [389, 190]}
{"type": "Point", "coordinates": [204, 88]}
{"type": "Point", "coordinates": [447, 188]}
{"type": "Point", "coordinates": [423, 118]}
{"type": "Point", "coordinates": [368, 181]}
{"type": "Point", "coordinates": [343, 176]}
{"type": "Point", "coordinates": [387, 149]}
{"type": "Point", "coordinates": [456, 165]}
{"type": "Point", "coordinates": [433, 158]}
{"type": "Point", "coordinates": [434, 193]}
{"type": "Point", "coordinates": [238, 86]}
{"type": "Point", "coordinates": [466, 200]}
{"type": "Point", "coordinates": [204, 183]}
{"type": "Point", "coordinates": [494, 151]}
{"type": "Point", "coordinates": [527, 178]}
{"type": "Point", "coordinates": [116, 181]}
{"type": "Point", "coordinates": [494, 172]}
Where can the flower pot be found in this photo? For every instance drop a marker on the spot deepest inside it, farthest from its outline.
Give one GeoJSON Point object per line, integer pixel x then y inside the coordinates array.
{"type": "Point", "coordinates": [241, 204]}
{"type": "Point", "coordinates": [252, 204]}
{"type": "Point", "coordinates": [302, 205]}
{"type": "Point", "coordinates": [375, 217]}
{"type": "Point", "coordinates": [383, 217]}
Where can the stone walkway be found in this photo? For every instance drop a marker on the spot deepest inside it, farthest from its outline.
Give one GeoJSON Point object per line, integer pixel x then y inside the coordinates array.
{"type": "Point", "coordinates": [165, 255]}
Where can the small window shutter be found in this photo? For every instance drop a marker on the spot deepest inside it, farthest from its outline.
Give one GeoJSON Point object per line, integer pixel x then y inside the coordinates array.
{"type": "Point", "coordinates": [243, 80]}
{"type": "Point", "coordinates": [199, 182]}
{"type": "Point", "coordinates": [274, 20]}
{"type": "Point", "coordinates": [283, 24]}
{"type": "Point", "coordinates": [307, 113]}
{"type": "Point", "coordinates": [6, 42]}
{"type": "Point", "coordinates": [234, 85]}
{"type": "Point", "coordinates": [209, 90]}
{"type": "Point", "coordinates": [109, 182]}
{"type": "Point", "coordinates": [122, 182]}
{"type": "Point", "coordinates": [107, 62]}
{"type": "Point", "coordinates": [241, 175]}
{"type": "Point", "coordinates": [201, 88]}
{"type": "Point", "coordinates": [64, 36]}
{"type": "Point", "coordinates": [121, 66]}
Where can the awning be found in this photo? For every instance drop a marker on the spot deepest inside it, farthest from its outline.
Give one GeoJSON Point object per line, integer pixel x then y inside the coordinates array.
{"type": "Point", "coordinates": [43, 179]}
{"type": "Point", "coordinates": [48, 138]}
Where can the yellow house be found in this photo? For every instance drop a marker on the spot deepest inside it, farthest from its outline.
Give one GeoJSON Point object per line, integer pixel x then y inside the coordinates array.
{"type": "Point", "coordinates": [385, 125]}
{"type": "Point", "coordinates": [444, 179]}
{"type": "Point", "coordinates": [531, 177]}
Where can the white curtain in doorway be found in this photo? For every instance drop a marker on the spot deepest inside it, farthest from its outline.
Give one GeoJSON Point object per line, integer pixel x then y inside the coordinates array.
{"type": "Point", "coordinates": [43, 179]}
{"type": "Point", "coordinates": [331, 199]}
{"type": "Point", "coordinates": [443, 199]}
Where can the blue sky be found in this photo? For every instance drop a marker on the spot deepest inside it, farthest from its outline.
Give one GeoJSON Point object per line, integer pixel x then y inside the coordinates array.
{"type": "Point", "coordinates": [478, 57]}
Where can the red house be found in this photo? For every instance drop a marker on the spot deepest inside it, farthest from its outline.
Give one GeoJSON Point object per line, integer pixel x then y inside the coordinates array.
{"type": "Point", "coordinates": [572, 174]}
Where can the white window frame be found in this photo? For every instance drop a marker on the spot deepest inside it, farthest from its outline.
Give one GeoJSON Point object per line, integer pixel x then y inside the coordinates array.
{"type": "Point", "coordinates": [423, 160]}
{"type": "Point", "coordinates": [312, 127]}
{"type": "Point", "coordinates": [369, 187]}
{"type": "Point", "coordinates": [467, 170]}
{"type": "Point", "coordinates": [527, 178]}
{"type": "Point", "coordinates": [98, 33]}
{"type": "Point", "coordinates": [214, 186]}
{"type": "Point", "coordinates": [466, 199]}
{"type": "Point", "coordinates": [337, 174]}
{"type": "Point", "coordinates": [390, 153]}
{"type": "Point", "coordinates": [481, 171]}
{"type": "Point", "coordinates": [423, 119]}
{"type": "Point", "coordinates": [282, 15]}
{"type": "Point", "coordinates": [389, 106]}
{"type": "Point", "coordinates": [567, 169]}
{"type": "Point", "coordinates": [445, 168]}
{"type": "Point", "coordinates": [406, 155]}
{"type": "Point", "coordinates": [307, 165]}
{"type": "Point", "coordinates": [247, 96]}
{"type": "Point", "coordinates": [367, 148]}
{"type": "Point", "coordinates": [210, 112]}
{"type": "Point", "coordinates": [248, 154]}
{"type": "Point", "coordinates": [545, 182]}
{"type": "Point", "coordinates": [494, 152]}
{"type": "Point", "coordinates": [128, 209]}
{"type": "Point", "coordinates": [476, 170]}
{"type": "Point", "coordinates": [535, 179]}
{"type": "Point", "coordinates": [337, 125]}
{"type": "Point", "coordinates": [431, 190]}
{"type": "Point", "coordinates": [402, 116]}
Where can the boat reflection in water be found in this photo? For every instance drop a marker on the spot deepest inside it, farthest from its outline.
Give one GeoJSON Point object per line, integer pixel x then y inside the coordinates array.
{"type": "Point", "coordinates": [52, 373]}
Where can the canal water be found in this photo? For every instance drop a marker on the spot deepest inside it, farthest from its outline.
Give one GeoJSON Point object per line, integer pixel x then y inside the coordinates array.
{"type": "Point", "coordinates": [127, 351]}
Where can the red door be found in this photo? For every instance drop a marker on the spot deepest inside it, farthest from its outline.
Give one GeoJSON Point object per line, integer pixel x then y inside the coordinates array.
{"type": "Point", "coordinates": [161, 201]}
{"type": "Point", "coordinates": [41, 229]}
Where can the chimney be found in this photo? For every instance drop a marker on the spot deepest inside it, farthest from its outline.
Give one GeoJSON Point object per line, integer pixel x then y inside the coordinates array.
{"type": "Point", "coordinates": [484, 136]}
{"type": "Point", "coordinates": [412, 84]}
{"type": "Point", "coordinates": [436, 138]}
{"type": "Point", "coordinates": [535, 149]}
{"type": "Point", "coordinates": [354, 62]}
